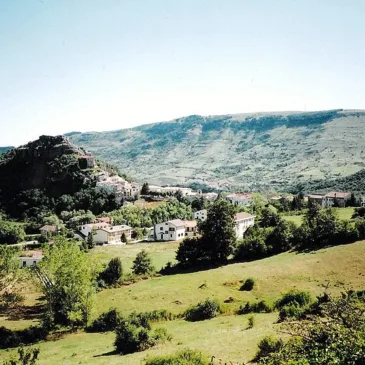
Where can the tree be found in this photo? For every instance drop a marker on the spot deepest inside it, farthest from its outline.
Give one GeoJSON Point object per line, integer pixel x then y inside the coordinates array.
{"type": "Point", "coordinates": [142, 264]}
{"type": "Point", "coordinates": [333, 335]}
{"type": "Point", "coordinates": [189, 252]}
{"type": "Point", "coordinates": [90, 240]}
{"type": "Point", "coordinates": [11, 233]}
{"type": "Point", "coordinates": [113, 272]}
{"type": "Point", "coordinates": [352, 201]}
{"type": "Point", "coordinates": [318, 228]}
{"type": "Point", "coordinates": [269, 217]}
{"type": "Point", "coordinates": [26, 357]}
{"type": "Point", "coordinates": [199, 204]}
{"type": "Point", "coordinates": [218, 232]}
{"type": "Point", "coordinates": [145, 189]}
{"type": "Point", "coordinates": [68, 277]}
{"type": "Point", "coordinates": [10, 276]}
{"type": "Point", "coordinates": [123, 238]}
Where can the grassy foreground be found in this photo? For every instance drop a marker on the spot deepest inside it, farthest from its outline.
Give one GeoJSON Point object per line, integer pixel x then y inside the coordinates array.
{"type": "Point", "coordinates": [226, 337]}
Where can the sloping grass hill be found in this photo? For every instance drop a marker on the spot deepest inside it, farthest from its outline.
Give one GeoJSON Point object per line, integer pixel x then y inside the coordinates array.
{"type": "Point", "coordinates": [227, 337]}
{"type": "Point", "coordinates": [250, 151]}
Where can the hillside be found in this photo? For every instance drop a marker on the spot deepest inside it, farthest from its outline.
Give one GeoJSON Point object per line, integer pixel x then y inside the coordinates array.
{"type": "Point", "coordinates": [45, 174]}
{"type": "Point", "coordinates": [251, 151]}
{"type": "Point", "coordinates": [334, 269]}
{"type": "Point", "coordinates": [49, 163]}
{"type": "Point", "coordinates": [5, 149]}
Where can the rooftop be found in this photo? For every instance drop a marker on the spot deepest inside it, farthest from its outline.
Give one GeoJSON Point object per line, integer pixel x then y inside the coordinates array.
{"type": "Point", "coordinates": [190, 224]}
{"type": "Point", "coordinates": [48, 228]}
{"type": "Point", "coordinates": [240, 195]}
{"type": "Point", "coordinates": [243, 215]}
{"type": "Point", "coordinates": [177, 222]}
{"type": "Point", "coordinates": [116, 228]}
{"type": "Point", "coordinates": [336, 194]}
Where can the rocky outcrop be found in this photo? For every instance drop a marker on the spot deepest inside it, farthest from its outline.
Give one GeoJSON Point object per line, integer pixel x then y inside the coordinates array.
{"type": "Point", "coordinates": [49, 163]}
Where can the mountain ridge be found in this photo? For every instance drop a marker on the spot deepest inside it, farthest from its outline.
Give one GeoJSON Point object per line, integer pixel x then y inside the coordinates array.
{"type": "Point", "coordinates": [249, 151]}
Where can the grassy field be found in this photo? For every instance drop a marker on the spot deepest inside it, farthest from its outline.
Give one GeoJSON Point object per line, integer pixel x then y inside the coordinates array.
{"type": "Point", "coordinates": [227, 337]}
{"type": "Point", "coordinates": [343, 213]}
{"type": "Point", "coordinates": [160, 252]}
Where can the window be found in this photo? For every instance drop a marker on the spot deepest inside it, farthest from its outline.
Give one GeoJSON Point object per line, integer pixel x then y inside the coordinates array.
{"type": "Point", "coordinates": [24, 263]}
{"type": "Point", "coordinates": [171, 235]}
{"type": "Point", "coordinates": [34, 263]}
{"type": "Point", "coordinates": [166, 232]}
{"type": "Point", "coordinates": [161, 228]}
{"type": "Point", "coordinates": [186, 234]}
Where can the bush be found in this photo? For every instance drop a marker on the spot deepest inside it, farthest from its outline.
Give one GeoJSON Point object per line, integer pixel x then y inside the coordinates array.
{"type": "Point", "coordinates": [267, 346]}
{"type": "Point", "coordinates": [184, 357]}
{"type": "Point", "coordinates": [294, 297]}
{"type": "Point", "coordinates": [154, 316]}
{"type": "Point", "coordinates": [130, 338]}
{"type": "Point", "coordinates": [113, 272]}
{"type": "Point", "coordinates": [251, 322]}
{"type": "Point", "coordinates": [205, 310]}
{"type": "Point", "coordinates": [248, 285]}
{"type": "Point", "coordinates": [26, 357]}
{"type": "Point", "coordinates": [134, 335]}
{"type": "Point", "coordinates": [107, 321]}
{"type": "Point", "coordinates": [290, 311]}
{"type": "Point", "coordinates": [32, 334]}
{"type": "Point", "coordinates": [142, 264]}
{"type": "Point", "coordinates": [259, 307]}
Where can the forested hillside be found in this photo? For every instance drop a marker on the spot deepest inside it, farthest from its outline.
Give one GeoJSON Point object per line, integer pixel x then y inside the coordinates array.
{"type": "Point", "coordinates": [249, 151]}
{"type": "Point", "coordinates": [5, 149]}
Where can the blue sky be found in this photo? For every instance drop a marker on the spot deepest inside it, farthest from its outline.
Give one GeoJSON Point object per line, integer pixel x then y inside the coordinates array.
{"type": "Point", "coordinates": [94, 65]}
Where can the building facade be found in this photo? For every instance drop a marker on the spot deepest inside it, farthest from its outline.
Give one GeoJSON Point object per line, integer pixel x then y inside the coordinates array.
{"type": "Point", "coordinates": [170, 231]}
{"type": "Point", "coordinates": [201, 215]}
{"type": "Point", "coordinates": [239, 199]}
{"type": "Point", "coordinates": [243, 221]}
{"type": "Point", "coordinates": [112, 235]}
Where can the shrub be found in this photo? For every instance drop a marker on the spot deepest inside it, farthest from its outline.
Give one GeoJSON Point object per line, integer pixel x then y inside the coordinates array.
{"type": "Point", "coordinates": [184, 357]}
{"type": "Point", "coordinates": [248, 285]}
{"type": "Point", "coordinates": [158, 315]}
{"type": "Point", "coordinates": [290, 311]}
{"type": "Point", "coordinates": [294, 297]}
{"type": "Point", "coordinates": [134, 335]}
{"type": "Point", "coordinates": [26, 357]}
{"type": "Point", "coordinates": [130, 338]}
{"type": "Point", "coordinates": [142, 264]}
{"type": "Point", "coordinates": [113, 272]}
{"type": "Point", "coordinates": [32, 334]}
{"type": "Point", "coordinates": [267, 346]}
{"type": "Point", "coordinates": [259, 307]}
{"type": "Point", "coordinates": [205, 310]}
{"type": "Point", "coordinates": [107, 321]}
{"type": "Point", "coordinates": [251, 322]}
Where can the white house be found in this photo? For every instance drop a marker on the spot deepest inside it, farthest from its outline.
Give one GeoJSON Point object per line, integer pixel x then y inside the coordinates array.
{"type": "Point", "coordinates": [170, 231]}
{"type": "Point", "coordinates": [243, 221]}
{"type": "Point", "coordinates": [112, 234]}
{"type": "Point", "coordinates": [240, 199]}
{"type": "Point", "coordinates": [85, 229]}
{"type": "Point", "coordinates": [32, 258]}
{"type": "Point", "coordinates": [201, 215]}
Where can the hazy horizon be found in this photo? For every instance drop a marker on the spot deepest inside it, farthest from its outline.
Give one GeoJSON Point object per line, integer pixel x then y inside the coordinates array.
{"type": "Point", "coordinates": [97, 66]}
